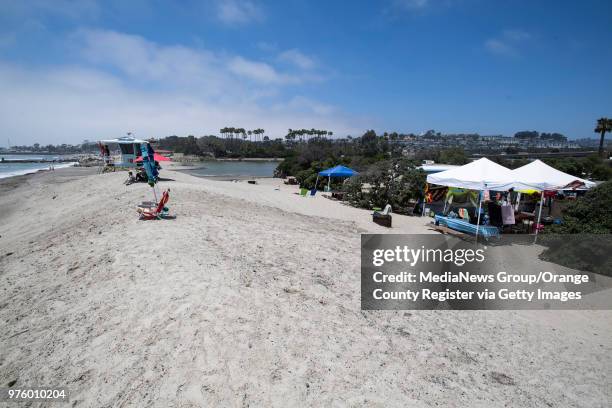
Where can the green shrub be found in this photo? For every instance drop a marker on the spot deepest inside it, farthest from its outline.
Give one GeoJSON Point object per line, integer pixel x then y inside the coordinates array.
{"type": "Point", "coordinates": [585, 220]}
{"type": "Point", "coordinates": [396, 182]}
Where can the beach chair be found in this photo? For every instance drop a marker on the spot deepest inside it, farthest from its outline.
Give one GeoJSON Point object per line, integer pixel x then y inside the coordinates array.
{"type": "Point", "coordinates": [313, 192]}
{"type": "Point", "coordinates": [383, 217]}
{"type": "Point", "coordinates": [303, 192]}
{"type": "Point", "coordinates": [155, 213]}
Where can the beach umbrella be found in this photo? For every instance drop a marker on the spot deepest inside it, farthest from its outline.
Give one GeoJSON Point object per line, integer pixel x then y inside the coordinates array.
{"type": "Point", "coordinates": [156, 157]}
{"type": "Point", "coordinates": [148, 163]}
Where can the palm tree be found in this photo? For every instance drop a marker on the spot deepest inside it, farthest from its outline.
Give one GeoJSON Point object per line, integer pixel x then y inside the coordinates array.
{"type": "Point", "coordinates": [603, 125]}
{"type": "Point", "coordinates": [250, 132]}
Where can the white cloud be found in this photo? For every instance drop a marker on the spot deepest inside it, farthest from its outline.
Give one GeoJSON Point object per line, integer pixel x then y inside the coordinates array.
{"type": "Point", "coordinates": [258, 71]}
{"type": "Point", "coordinates": [411, 4]}
{"type": "Point", "coordinates": [297, 58]}
{"type": "Point", "coordinates": [238, 12]}
{"type": "Point", "coordinates": [145, 61]}
{"type": "Point", "coordinates": [516, 35]}
{"type": "Point", "coordinates": [304, 104]}
{"type": "Point", "coordinates": [507, 43]}
{"type": "Point", "coordinates": [499, 47]}
{"type": "Point", "coordinates": [125, 82]}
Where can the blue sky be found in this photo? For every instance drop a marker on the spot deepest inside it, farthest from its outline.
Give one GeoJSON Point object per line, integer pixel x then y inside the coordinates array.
{"type": "Point", "coordinates": [74, 70]}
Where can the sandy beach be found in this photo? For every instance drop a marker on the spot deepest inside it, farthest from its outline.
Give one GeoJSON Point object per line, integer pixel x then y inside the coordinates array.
{"type": "Point", "coordinates": [251, 297]}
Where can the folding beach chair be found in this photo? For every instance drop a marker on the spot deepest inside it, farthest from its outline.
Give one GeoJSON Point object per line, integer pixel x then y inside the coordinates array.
{"type": "Point", "coordinates": [303, 192]}
{"type": "Point", "coordinates": [158, 212]}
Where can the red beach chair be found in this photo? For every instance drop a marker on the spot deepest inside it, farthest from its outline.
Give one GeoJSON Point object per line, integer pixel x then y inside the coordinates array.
{"type": "Point", "coordinates": [155, 213]}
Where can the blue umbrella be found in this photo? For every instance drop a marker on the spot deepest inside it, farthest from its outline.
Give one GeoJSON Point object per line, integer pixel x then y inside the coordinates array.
{"type": "Point", "coordinates": [148, 162]}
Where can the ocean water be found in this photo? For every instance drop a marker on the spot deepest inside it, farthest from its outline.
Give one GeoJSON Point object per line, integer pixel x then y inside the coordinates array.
{"type": "Point", "coordinates": [234, 168]}
{"type": "Point", "coordinates": [8, 168]}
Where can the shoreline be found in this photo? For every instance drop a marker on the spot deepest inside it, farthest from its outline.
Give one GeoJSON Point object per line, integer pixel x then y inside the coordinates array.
{"type": "Point", "coordinates": [25, 172]}
{"type": "Point", "coordinates": [45, 176]}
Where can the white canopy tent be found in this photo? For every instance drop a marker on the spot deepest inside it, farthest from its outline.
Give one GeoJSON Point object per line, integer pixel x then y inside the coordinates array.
{"type": "Point", "coordinates": [482, 174]}
{"type": "Point", "coordinates": [543, 177]}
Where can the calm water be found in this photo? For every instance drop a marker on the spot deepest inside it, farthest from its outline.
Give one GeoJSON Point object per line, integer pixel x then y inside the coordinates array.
{"type": "Point", "coordinates": [235, 168]}
{"type": "Point", "coordinates": [8, 168]}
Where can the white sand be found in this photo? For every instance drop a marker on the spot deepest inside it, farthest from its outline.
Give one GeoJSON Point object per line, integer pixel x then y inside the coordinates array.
{"type": "Point", "coordinates": [250, 297]}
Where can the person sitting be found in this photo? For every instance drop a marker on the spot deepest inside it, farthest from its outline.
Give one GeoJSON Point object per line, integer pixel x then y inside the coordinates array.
{"type": "Point", "coordinates": [141, 176]}
{"type": "Point", "coordinates": [131, 179]}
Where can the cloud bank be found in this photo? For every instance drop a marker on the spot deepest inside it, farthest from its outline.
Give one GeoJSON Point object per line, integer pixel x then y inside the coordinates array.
{"type": "Point", "coordinates": [124, 82]}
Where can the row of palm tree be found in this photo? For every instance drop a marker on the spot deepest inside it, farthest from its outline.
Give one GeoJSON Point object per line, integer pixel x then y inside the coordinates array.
{"type": "Point", "coordinates": [305, 134]}
{"type": "Point", "coordinates": [235, 133]}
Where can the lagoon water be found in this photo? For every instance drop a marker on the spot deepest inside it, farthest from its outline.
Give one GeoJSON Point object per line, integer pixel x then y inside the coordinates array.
{"type": "Point", "coordinates": [235, 169]}
{"type": "Point", "coordinates": [9, 167]}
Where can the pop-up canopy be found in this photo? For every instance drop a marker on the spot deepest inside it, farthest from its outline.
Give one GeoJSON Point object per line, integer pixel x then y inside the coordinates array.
{"type": "Point", "coordinates": [338, 171]}
{"type": "Point", "coordinates": [544, 177]}
{"type": "Point", "coordinates": [482, 174]}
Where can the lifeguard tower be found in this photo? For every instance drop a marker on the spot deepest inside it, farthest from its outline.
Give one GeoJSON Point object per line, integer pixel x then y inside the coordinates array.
{"type": "Point", "coordinates": [121, 152]}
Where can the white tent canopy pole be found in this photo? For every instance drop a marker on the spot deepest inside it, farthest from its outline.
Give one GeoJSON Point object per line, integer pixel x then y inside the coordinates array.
{"type": "Point", "coordinates": [540, 211]}
{"type": "Point", "coordinates": [478, 218]}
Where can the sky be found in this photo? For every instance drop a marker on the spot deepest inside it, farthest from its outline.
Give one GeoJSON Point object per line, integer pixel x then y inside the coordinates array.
{"type": "Point", "coordinates": [93, 69]}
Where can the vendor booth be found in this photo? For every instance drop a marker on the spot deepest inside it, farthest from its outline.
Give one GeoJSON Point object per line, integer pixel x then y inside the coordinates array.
{"type": "Point", "coordinates": [498, 187]}
{"type": "Point", "coordinates": [547, 181]}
